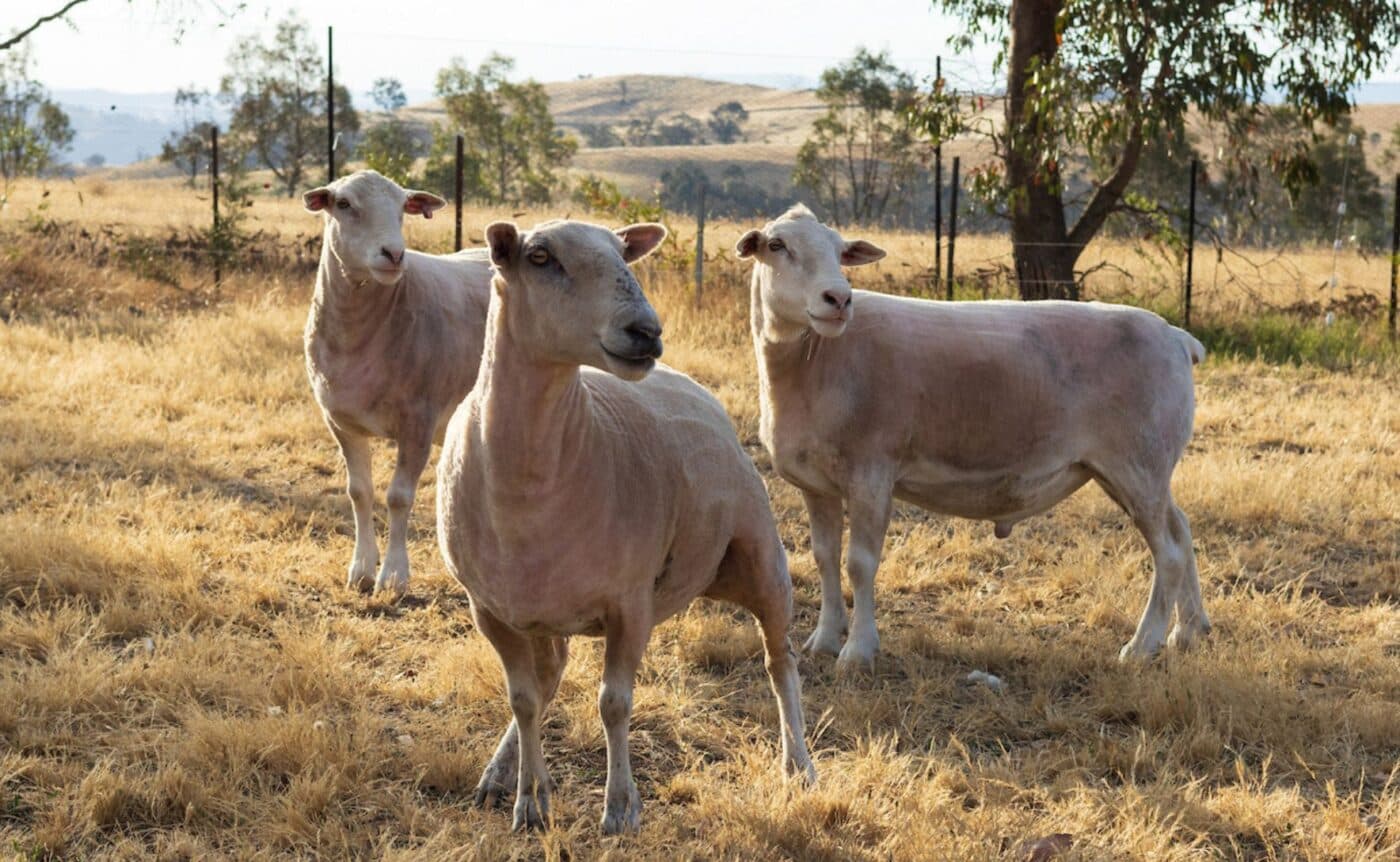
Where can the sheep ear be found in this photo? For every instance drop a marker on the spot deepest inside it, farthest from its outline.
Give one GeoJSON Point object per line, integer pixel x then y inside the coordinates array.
{"type": "Point", "coordinates": [504, 241]}
{"type": "Point", "coordinates": [748, 244]}
{"type": "Point", "coordinates": [858, 252]}
{"type": "Point", "coordinates": [422, 203]}
{"type": "Point", "coordinates": [316, 199]}
{"type": "Point", "coordinates": [639, 240]}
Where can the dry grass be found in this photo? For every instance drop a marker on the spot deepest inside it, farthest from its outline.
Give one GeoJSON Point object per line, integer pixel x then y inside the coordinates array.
{"type": "Point", "coordinates": [182, 674]}
{"type": "Point", "coordinates": [1230, 284]}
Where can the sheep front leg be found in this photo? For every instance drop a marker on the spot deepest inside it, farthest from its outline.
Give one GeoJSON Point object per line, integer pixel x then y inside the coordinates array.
{"type": "Point", "coordinates": [518, 655]}
{"type": "Point", "coordinates": [359, 485]}
{"type": "Point", "coordinates": [824, 519]}
{"type": "Point", "coordinates": [870, 508]}
{"type": "Point", "coordinates": [626, 641]}
{"type": "Point", "coordinates": [499, 777]}
{"type": "Point", "coordinates": [414, 448]}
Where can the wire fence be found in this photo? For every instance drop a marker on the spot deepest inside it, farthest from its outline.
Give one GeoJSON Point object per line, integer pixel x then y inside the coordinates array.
{"type": "Point", "coordinates": [154, 224]}
{"type": "Point", "coordinates": [1307, 281]}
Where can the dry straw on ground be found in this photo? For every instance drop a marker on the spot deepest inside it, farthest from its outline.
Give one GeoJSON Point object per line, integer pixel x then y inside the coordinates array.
{"type": "Point", "coordinates": [183, 676]}
{"type": "Point", "coordinates": [1226, 280]}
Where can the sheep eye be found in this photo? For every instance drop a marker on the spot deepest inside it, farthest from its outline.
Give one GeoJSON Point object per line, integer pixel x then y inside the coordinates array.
{"type": "Point", "coordinates": [539, 257]}
{"type": "Point", "coordinates": [776, 245]}
{"type": "Point", "coordinates": [342, 204]}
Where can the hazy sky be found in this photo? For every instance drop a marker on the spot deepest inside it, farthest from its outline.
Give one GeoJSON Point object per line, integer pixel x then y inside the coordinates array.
{"type": "Point", "coordinates": [127, 45]}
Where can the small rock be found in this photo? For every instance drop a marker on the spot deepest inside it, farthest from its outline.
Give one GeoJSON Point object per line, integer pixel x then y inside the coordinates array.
{"type": "Point", "coordinates": [274, 710]}
{"type": "Point", "coordinates": [318, 724]}
{"type": "Point", "coordinates": [405, 739]}
{"type": "Point", "coordinates": [149, 644]}
{"type": "Point", "coordinates": [987, 679]}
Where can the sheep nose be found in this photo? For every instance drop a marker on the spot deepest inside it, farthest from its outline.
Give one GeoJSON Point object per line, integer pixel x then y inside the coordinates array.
{"type": "Point", "coordinates": [644, 329]}
{"type": "Point", "coordinates": [646, 335]}
{"type": "Point", "coordinates": [395, 257]}
{"type": "Point", "coordinates": [837, 299]}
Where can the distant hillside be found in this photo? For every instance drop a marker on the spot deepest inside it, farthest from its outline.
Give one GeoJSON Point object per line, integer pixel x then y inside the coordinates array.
{"type": "Point", "coordinates": [126, 128]}
{"type": "Point", "coordinates": [775, 116]}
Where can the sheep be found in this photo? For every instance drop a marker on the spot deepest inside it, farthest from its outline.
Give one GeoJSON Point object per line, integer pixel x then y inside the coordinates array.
{"type": "Point", "coordinates": [393, 341]}
{"type": "Point", "coordinates": [985, 410]}
{"type": "Point", "coordinates": [584, 489]}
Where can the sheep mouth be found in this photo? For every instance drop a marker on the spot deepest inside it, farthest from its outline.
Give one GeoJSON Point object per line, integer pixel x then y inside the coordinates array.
{"type": "Point", "coordinates": [829, 327]}
{"type": "Point", "coordinates": [638, 362]}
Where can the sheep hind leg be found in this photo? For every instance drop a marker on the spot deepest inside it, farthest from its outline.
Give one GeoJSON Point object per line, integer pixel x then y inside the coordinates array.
{"type": "Point", "coordinates": [498, 779]}
{"type": "Point", "coordinates": [755, 577]}
{"type": "Point", "coordinates": [1191, 620]}
{"type": "Point", "coordinates": [1150, 507]}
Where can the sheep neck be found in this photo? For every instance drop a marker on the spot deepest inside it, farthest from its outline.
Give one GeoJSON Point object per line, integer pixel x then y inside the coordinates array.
{"type": "Point", "coordinates": [777, 345]}
{"type": "Point", "coordinates": [534, 413]}
{"type": "Point", "coordinates": [350, 308]}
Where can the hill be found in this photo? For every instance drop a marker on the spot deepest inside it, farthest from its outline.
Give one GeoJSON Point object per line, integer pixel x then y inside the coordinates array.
{"type": "Point", "coordinates": [779, 120]}
{"type": "Point", "coordinates": [775, 116]}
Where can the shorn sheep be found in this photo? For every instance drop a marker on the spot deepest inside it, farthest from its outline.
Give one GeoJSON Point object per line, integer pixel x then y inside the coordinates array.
{"type": "Point", "coordinates": [986, 410]}
{"type": "Point", "coordinates": [393, 342]}
{"type": "Point", "coordinates": [597, 500]}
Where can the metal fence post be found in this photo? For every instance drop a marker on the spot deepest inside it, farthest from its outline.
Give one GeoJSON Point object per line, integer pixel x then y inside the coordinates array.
{"type": "Point", "coordinates": [1395, 259]}
{"type": "Point", "coordinates": [214, 187]}
{"type": "Point", "coordinates": [1394, 255]}
{"type": "Point", "coordinates": [700, 245]}
{"type": "Point", "coordinates": [457, 199]}
{"type": "Point", "coordinates": [1190, 248]}
{"type": "Point", "coordinates": [937, 190]}
{"type": "Point", "coordinates": [330, 105]}
{"type": "Point", "coordinates": [952, 221]}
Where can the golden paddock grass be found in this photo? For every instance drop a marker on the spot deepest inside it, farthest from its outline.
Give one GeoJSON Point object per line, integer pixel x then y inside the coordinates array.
{"type": "Point", "coordinates": [185, 677]}
{"type": "Point", "coordinates": [1228, 282]}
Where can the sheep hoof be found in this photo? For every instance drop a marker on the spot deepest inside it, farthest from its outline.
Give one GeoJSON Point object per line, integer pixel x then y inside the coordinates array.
{"type": "Point", "coordinates": [1184, 634]}
{"type": "Point", "coordinates": [361, 577]}
{"type": "Point", "coordinates": [822, 643]}
{"type": "Point", "coordinates": [802, 770]}
{"type": "Point", "coordinates": [393, 582]}
{"type": "Point", "coordinates": [531, 812]}
{"type": "Point", "coordinates": [1133, 651]}
{"type": "Point", "coordinates": [854, 663]}
{"type": "Point", "coordinates": [491, 793]}
{"type": "Point", "coordinates": [623, 814]}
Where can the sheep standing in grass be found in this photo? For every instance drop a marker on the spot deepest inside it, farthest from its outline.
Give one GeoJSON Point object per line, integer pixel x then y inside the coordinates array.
{"type": "Point", "coordinates": [600, 502]}
{"type": "Point", "coordinates": [393, 342]}
{"type": "Point", "coordinates": [987, 410]}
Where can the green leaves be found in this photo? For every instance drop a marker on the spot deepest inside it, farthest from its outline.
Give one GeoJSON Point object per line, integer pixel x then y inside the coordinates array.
{"type": "Point", "coordinates": [34, 130]}
{"type": "Point", "coordinates": [277, 90]}
{"type": "Point", "coordinates": [863, 152]}
{"type": "Point", "coordinates": [508, 129]}
{"type": "Point", "coordinates": [1095, 80]}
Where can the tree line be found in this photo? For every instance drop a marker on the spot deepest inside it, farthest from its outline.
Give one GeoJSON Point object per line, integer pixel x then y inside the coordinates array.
{"type": "Point", "coordinates": [1104, 106]}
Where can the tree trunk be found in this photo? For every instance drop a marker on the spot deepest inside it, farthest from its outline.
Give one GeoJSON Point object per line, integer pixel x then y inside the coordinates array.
{"type": "Point", "coordinates": [1040, 241]}
{"type": "Point", "coordinates": [1046, 271]}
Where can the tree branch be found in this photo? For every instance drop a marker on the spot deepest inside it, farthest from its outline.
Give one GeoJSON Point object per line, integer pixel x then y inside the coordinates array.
{"type": "Point", "coordinates": [1107, 196]}
{"type": "Point", "coordinates": [20, 36]}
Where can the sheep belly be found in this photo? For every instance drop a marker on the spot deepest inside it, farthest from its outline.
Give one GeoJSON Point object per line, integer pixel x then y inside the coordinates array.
{"type": "Point", "coordinates": [1005, 497]}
